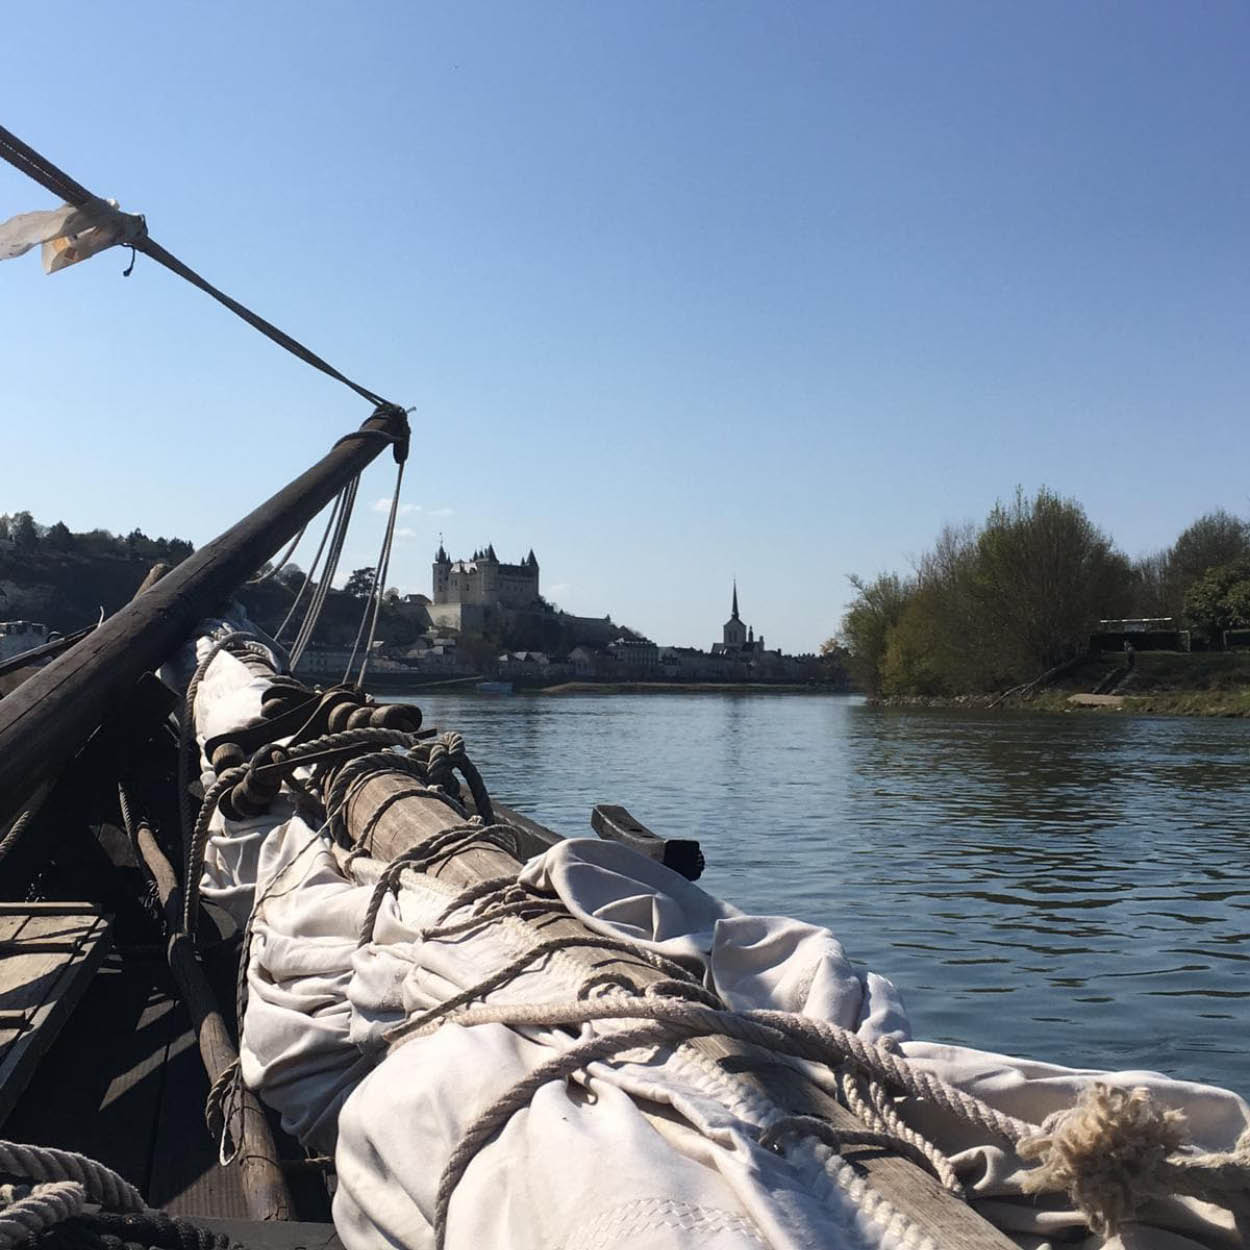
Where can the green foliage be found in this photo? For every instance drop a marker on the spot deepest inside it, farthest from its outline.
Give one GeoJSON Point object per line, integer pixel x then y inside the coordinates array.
{"type": "Point", "coordinates": [867, 624]}
{"type": "Point", "coordinates": [989, 606]}
{"type": "Point", "coordinates": [360, 584]}
{"type": "Point", "coordinates": [63, 578]}
{"type": "Point", "coordinates": [912, 662]}
{"type": "Point", "coordinates": [1164, 578]}
{"type": "Point", "coordinates": [1220, 600]}
{"type": "Point", "coordinates": [835, 664]}
{"type": "Point", "coordinates": [58, 537]}
{"type": "Point", "coordinates": [23, 532]}
{"type": "Point", "coordinates": [1045, 575]}
{"type": "Point", "coordinates": [1213, 540]}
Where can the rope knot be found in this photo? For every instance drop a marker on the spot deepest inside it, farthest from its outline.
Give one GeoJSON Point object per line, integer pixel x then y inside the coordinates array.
{"type": "Point", "coordinates": [1109, 1153]}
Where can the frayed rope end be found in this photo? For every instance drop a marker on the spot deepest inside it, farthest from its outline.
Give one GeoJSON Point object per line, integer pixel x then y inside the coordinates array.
{"type": "Point", "coordinates": [1109, 1153]}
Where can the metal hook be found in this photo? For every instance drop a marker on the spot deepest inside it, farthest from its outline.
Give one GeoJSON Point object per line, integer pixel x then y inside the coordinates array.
{"type": "Point", "coordinates": [131, 267]}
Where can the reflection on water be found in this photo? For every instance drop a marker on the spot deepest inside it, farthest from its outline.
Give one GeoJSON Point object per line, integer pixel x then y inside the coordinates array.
{"type": "Point", "coordinates": [1068, 887]}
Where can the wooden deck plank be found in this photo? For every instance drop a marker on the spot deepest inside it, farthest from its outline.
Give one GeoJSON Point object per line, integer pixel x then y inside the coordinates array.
{"type": "Point", "coordinates": [98, 1088]}
{"type": "Point", "coordinates": [186, 1177]}
{"type": "Point", "coordinates": [46, 966]}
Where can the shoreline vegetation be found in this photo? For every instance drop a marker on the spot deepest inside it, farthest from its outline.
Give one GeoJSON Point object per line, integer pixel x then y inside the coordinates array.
{"type": "Point", "coordinates": [1159, 683]}
{"type": "Point", "coordinates": [685, 687]}
{"type": "Point", "coordinates": [1012, 612]}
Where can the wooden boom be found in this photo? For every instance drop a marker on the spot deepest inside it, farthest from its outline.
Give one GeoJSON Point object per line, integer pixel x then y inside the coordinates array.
{"type": "Point", "coordinates": [50, 715]}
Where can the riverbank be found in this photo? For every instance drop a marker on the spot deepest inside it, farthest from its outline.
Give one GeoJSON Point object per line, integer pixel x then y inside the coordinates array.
{"type": "Point", "coordinates": [1161, 703]}
{"type": "Point", "coordinates": [1160, 683]}
{"type": "Point", "coordinates": [678, 687]}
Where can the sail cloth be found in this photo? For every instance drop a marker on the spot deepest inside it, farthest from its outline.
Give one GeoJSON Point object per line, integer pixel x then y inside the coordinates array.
{"type": "Point", "coordinates": [68, 234]}
{"type": "Point", "coordinates": [649, 1151]}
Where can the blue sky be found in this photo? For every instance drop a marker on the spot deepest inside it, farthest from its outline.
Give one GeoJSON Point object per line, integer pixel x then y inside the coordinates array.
{"type": "Point", "coordinates": [681, 292]}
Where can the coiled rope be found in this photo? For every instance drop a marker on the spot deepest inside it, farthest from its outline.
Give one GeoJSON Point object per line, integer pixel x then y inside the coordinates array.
{"type": "Point", "coordinates": [227, 780]}
{"type": "Point", "coordinates": [63, 1182]}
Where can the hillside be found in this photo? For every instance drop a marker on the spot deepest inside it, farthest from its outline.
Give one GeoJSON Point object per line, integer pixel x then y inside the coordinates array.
{"type": "Point", "coordinates": [66, 589]}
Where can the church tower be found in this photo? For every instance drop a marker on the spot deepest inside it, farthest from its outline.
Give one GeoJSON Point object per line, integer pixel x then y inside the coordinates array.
{"type": "Point", "coordinates": [735, 632]}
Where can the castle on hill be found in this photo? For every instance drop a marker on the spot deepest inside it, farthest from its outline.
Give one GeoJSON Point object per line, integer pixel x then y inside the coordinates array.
{"type": "Point", "coordinates": [484, 601]}
{"type": "Point", "coordinates": [485, 579]}
{"type": "Point", "coordinates": [470, 595]}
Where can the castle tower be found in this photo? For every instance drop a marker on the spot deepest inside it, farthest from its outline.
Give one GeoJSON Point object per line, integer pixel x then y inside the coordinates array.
{"type": "Point", "coordinates": [442, 574]}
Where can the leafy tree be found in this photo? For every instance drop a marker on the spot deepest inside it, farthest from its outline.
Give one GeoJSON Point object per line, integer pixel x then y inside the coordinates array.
{"type": "Point", "coordinates": [867, 623]}
{"type": "Point", "coordinates": [100, 542]}
{"type": "Point", "coordinates": [22, 529]}
{"type": "Point", "coordinates": [989, 606]}
{"type": "Point", "coordinates": [360, 583]}
{"type": "Point", "coordinates": [58, 537]}
{"type": "Point", "coordinates": [1220, 600]}
{"type": "Point", "coordinates": [290, 575]}
{"type": "Point", "coordinates": [1154, 585]}
{"type": "Point", "coordinates": [834, 664]}
{"type": "Point", "coordinates": [1213, 540]}
{"type": "Point", "coordinates": [912, 662]}
{"type": "Point", "coordinates": [4, 526]}
{"type": "Point", "coordinates": [1044, 575]}
{"type": "Point", "coordinates": [391, 598]}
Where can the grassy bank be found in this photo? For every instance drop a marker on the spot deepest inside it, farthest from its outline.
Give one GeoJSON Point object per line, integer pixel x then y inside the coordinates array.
{"type": "Point", "coordinates": [677, 687]}
{"type": "Point", "coordinates": [1161, 683]}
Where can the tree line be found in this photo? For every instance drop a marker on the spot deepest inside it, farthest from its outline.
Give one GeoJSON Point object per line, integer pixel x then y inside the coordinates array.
{"type": "Point", "coordinates": [21, 532]}
{"type": "Point", "coordinates": [993, 605]}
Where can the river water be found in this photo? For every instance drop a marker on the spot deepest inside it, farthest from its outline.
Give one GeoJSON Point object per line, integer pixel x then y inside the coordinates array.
{"type": "Point", "coordinates": [1071, 888]}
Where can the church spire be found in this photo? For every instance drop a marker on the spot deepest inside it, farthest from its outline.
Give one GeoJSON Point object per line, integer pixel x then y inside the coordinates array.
{"type": "Point", "coordinates": [734, 614]}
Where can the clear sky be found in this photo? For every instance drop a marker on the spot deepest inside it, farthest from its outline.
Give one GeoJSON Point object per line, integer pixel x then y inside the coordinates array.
{"type": "Point", "coordinates": [680, 291]}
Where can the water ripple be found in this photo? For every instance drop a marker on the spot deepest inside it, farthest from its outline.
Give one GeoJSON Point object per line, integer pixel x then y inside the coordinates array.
{"type": "Point", "coordinates": [1068, 887]}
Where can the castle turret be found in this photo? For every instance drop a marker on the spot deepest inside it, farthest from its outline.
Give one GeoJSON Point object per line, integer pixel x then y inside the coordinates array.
{"type": "Point", "coordinates": [442, 575]}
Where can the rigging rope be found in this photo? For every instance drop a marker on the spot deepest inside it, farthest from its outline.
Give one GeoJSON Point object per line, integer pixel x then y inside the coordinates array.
{"type": "Point", "coordinates": [316, 561]}
{"type": "Point", "coordinates": [24, 158]}
{"type": "Point", "coordinates": [332, 563]}
{"type": "Point", "coordinates": [374, 603]}
{"type": "Point", "coordinates": [275, 569]}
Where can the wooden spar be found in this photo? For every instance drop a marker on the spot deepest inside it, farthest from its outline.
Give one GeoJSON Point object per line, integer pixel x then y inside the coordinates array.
{"type": "Point", "coordinates": [14, 662]}
{"type": "Point", "coordinates": [386, 826]}
{"type": "Point", "coordinates": [47, 718]}
{"type": "Point", "coordinates": [264, 1187]}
